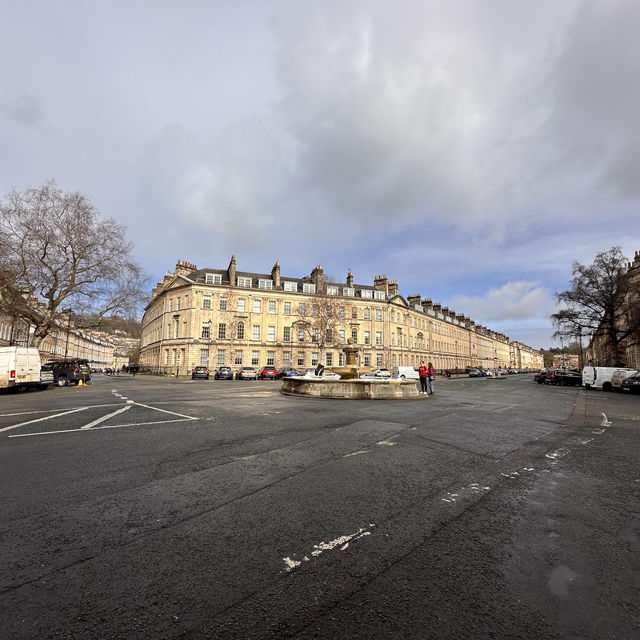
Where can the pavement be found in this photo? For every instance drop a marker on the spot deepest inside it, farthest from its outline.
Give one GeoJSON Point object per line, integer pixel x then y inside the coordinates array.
{"type": "Point", "coordinates": [160, 508]}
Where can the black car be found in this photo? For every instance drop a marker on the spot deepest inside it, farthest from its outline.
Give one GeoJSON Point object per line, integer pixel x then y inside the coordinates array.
{"type": "Point", "coordinates": [70, 371]}
{"type": "Point", "coordinates": [200, 372]}
{"type": "Point", "coordinates": [631, 384]}
{"type": "Point", "coordinates": [563, 377]}
{"type": "Point", "coordinates": [540, 376]}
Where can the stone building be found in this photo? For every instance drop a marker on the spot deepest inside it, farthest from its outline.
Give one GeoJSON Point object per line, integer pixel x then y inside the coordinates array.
{"type": "Point", "coordinates": [600, 350]}
{"type": "Point", "coordinates": [235, 318]}
{"type": "Point", "coordinates": [64, 341]}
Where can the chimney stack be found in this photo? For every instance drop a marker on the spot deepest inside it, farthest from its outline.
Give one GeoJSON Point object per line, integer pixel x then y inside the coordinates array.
{"type": "Point", "coordinates": [275, 274]}
{"type": "Point", "coordinates": [231, 271]}
{"type": "Point", "coordinates": [184, 268]}
{"type": "Point", "coordinates": [317, 277]}
{"type": "Point", "coordinates": [382, 284]}
{"type": "Point", "coordinates": [350, 279]}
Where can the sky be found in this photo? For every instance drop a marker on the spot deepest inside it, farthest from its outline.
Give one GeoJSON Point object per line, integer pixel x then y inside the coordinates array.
{"type": "Point", "coordinates": [471, 151]}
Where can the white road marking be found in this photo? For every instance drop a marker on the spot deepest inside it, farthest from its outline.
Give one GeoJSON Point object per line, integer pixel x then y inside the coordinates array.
{"type": "Point", "coordinates": [28, 413]}
{"type": "Point", "coordinates": [55, 415]}
{"type": "Point", "coordinates": [355, 453]}
{"type": "Point", "coordinates": [100, 420]}
{"type": "Point", "coordinates": [108, 426]}
{"type": "Point", "coordinates": [605, 421]}
{"type": "Point", "coordinates": [342, 542]}
{"type": "Point", "coordinates": [173, 413]}
{"type": "Point", "coordinates": [92, 425]}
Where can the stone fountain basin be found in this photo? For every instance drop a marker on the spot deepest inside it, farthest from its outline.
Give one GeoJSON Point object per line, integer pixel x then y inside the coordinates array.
{"type": "Point", "coordinates": [355, 389]}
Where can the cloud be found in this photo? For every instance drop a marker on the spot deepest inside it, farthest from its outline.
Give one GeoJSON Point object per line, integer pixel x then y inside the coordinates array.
{"type": "Point", "coordinates": [513, 301]}
{"type": "Point", "coordinates": [596, 97]}
{"type": "Point", "coordinates": [429, 117]}
{"type": "Point", "coordinates": [23, 108]}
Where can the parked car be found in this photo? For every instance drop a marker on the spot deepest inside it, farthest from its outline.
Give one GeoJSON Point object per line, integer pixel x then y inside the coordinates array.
{"type": "Point", "coordinates": [288, 372]}
{"type": "Point", "coordinates": [631, 384]}
{"type": "Point", "coordinates": [619, 376]}
{"type": "Point", "coordinates": [19, 368]}
{"type": "Point", "coordinates": [70, 371]}
{"type": "Point", "coordinates": [600, 377]}
{"type": "Point", "coordinates": [46, 376]}
{"type": "Point", "coordinates": [199, 372]}
{"type": "Point", "coordinates": [247, 373]}
{"type": "Point", "coordinates": [382, 372]}
{"type": "Point", "coordinates": [474, 373]}
{"type": "Point", "coordinates": [540, 376]}
{"type": "Point", "coordinates": [403, 372]}
{"type": "Point", "coordinates": [223, 373]}
{"type": "Point", "coordinates": [563, 377]}
{"type": "Point", "coordinates": [270, 373]}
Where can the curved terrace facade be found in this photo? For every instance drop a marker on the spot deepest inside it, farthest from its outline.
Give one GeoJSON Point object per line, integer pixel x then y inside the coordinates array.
{"type": "Point", "coordinates": [227, 317]}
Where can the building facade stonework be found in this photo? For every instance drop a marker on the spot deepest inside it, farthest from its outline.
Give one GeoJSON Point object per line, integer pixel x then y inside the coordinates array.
{"type": "Point", "coordinates": [226, 317]}
{"type": "Point", "coordinates": [65, 341]}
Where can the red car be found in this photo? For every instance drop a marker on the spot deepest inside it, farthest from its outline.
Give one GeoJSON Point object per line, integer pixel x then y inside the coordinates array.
{"type": "Point", "coordinates": [268, 372]}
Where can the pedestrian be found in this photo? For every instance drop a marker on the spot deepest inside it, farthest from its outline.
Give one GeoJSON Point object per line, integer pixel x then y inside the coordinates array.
{"type": "Point", "coordinates": [431, 374]}
{"type": "Point", "coordinates": [423, 373]}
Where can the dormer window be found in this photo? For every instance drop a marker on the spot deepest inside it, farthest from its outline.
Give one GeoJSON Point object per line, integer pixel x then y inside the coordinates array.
{"type": "Point", "coordinates": [290, 286]}
{"type": "Point", "coordinates": [213, 278]}
{"type": "Point", "coordinates": [244, 282]}
{"type": "Point", "coordinates": [366, 293]}
{"type": "Point", "coordinates": [265, 284]}
{"type": "Point", "coordinates": [348, 291]}
{"type": "Point", "coordinates": [308, 288]}
{"type": "Point", "coordinates": [332, 291]}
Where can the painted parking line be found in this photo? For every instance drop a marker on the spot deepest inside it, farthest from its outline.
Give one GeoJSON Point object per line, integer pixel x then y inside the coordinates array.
{"type": "Point", "coordinates": [106, 426]}
{"type": "Point", "coordinates": [55, 415]}
{"type": "Point", "coordinates": [93, 426]}
{"type": "Point", "coordinates": [100, 420]}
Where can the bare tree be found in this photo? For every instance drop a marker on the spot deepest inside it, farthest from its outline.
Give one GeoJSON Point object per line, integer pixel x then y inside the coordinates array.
{"type": "Point", "coordinates": [320, 321]}
{"type": "Point", "coordinates": [600, 303]}
{"type": "Point", "coordinates": [57, 253]}
{"type": "Point", "coordinates": [236, 324]}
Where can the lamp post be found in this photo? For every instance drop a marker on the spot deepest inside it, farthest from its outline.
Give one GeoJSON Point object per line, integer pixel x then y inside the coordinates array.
{"type": "Point", "coordinates": [562, 351]}
{"type": "Point", "coordinates": [457, 361]}
{"type": "Point", "coordinates": [69, 313]}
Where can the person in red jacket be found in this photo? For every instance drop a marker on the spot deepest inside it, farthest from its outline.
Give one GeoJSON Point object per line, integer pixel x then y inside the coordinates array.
{"type": "Point", "coordinates": [422, 372]}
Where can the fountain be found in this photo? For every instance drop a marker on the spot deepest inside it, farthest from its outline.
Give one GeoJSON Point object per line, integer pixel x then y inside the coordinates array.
{"type": "Point", "coordinates": [350, 385]}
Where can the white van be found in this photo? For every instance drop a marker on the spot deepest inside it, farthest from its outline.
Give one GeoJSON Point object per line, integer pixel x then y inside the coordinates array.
{"type": "Point", "coordinates": [600, 377]}
{"type": "Point", "coordinates": [618, 376]}
{"type": "Point", "coordinates": [406, 372]}
{"type": "Point", "coordinates": [19, 367]}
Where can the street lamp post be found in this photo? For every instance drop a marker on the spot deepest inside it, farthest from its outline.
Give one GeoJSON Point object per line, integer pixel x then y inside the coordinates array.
{"type": "Point", "coordinates": [69, 313]}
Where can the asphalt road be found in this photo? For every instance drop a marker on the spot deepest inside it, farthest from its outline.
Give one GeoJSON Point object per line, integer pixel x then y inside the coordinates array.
{"type": "Point", "coordinates": [155, 508]}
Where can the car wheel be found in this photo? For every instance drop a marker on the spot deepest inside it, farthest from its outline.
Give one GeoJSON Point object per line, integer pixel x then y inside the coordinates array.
{"type": "Point", "coordinates": [587, 386]}
{"type": "Point", "coordinates": [607, 386]}
{"type": "Point", "coordinates": [62, 381]}
{"type": "Point", "coordinates": [402, 377]}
